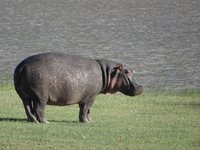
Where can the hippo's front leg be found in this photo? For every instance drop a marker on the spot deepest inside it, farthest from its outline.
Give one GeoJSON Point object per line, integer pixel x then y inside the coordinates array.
{"type": "Point", "coordinates": [85, 111]}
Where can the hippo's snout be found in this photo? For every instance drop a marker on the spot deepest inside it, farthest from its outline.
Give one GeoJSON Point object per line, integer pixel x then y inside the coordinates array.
{"type": "Point", "coordinates": [138, 90]}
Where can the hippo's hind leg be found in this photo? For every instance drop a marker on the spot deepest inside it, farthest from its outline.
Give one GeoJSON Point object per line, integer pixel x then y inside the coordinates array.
{"type": "Point", "coordinates": [84, 113]}
{"type": "Point", "coordinates": [29, 109]}
{"type": "Point", "coordinates": [39, 108]}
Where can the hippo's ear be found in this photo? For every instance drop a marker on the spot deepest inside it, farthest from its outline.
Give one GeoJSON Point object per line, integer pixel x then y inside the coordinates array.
{"type": "Point", "coordinates": [119, 67]}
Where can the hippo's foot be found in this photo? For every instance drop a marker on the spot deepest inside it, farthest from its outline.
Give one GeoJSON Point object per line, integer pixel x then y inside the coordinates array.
{"type": "Point", "coordinates": [44, 121]}
{"type": "Point", "coordinates": [84, 120]}
{"type": "Point", "coordinates": [34, 120]}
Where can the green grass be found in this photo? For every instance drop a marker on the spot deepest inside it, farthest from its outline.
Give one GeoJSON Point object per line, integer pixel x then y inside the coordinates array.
{"type": "Point", "coordinates": [154, 121]}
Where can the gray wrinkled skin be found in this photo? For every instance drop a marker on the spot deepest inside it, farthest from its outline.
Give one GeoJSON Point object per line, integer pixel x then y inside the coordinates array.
{"type": "Point", "coordinates": [59, 79]}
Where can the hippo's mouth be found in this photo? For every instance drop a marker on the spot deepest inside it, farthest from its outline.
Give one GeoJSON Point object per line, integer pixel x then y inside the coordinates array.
{"type": "Point", "coordinates": [138, 90]}
{"type": "Point", "coordinates": [134, 89]}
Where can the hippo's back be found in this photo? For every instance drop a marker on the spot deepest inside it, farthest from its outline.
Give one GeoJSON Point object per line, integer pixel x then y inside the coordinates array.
{"type": "Point", "coordinates": [60, 78]}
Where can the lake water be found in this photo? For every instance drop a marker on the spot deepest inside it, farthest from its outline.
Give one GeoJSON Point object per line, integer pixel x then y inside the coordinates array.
{"type": "Point", "coordinates": [159, 39]}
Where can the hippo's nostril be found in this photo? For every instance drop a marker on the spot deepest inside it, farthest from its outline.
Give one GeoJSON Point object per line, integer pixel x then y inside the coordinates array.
{"type": "Point", "coordinates": [140, 89]}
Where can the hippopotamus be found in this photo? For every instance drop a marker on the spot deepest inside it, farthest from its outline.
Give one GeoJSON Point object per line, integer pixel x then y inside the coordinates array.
{"type": "Point", "coordinates": [62, 79]}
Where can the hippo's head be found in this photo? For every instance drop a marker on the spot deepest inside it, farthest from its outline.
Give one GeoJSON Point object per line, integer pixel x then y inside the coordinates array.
{"type": "Point", "coordinates": [122, 80]}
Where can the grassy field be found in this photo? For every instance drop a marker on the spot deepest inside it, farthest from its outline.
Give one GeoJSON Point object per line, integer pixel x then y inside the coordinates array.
{"type": "Point", "coordinates": [154, 121]}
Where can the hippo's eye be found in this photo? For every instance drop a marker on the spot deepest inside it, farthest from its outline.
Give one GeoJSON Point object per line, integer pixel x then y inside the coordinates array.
{"type": "Point", "coordinates": [128, 71]}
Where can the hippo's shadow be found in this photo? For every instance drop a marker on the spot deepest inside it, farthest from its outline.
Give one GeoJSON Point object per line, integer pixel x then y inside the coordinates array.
{"type": "Point", "coordinates": [13, 119]}
{"type": "Point", "coordinates": [62, 121]}
{"type": "Point", "coordinates": [25, 120]}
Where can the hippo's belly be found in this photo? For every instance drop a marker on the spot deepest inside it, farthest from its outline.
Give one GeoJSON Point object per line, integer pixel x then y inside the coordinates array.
{"type": "Point", "coordinates": [74, 86]}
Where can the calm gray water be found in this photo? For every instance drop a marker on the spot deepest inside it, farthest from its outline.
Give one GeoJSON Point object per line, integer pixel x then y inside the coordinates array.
{"type": "Point", "coordinates": [160, 39]}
